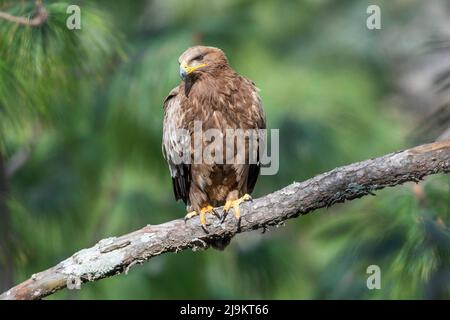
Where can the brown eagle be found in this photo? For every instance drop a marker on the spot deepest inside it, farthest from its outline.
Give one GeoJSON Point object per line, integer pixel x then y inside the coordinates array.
{"type": "Point", "coordinates": [216, 96]}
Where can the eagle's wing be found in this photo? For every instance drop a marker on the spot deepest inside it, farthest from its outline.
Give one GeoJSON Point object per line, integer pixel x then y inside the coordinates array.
{"type": "Point", "coordinates": [174, 145]}
{"type": "Point", "coordinates": [258, 118]}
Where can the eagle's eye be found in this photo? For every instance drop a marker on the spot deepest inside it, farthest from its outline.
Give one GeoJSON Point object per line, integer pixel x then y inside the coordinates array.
{"type": "Point", "coordinates": [198, 57]}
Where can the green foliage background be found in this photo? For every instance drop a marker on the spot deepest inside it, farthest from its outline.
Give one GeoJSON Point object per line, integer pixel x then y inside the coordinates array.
{"type": "Point", "coordinates": [87, 107]}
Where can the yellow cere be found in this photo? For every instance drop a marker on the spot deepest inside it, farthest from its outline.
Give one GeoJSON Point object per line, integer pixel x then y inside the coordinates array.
{"type": "Point", "coordinates": [189, 69]}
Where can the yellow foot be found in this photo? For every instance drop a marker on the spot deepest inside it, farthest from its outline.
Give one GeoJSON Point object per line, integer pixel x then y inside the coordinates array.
{"type": "Point", "coordinates": [235, 205]}
{"type": "Point", "coordinates": [202, 214]}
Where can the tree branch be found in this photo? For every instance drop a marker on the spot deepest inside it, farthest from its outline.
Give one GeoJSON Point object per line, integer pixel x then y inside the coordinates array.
{"type": "Point", "coordinates": [39, 17]}
{"type": "Point", "coordinates": [117, 255]}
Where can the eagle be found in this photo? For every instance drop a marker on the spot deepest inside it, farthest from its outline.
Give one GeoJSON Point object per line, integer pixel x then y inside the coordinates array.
{"type": "Point", "coordinates": [213, 94]}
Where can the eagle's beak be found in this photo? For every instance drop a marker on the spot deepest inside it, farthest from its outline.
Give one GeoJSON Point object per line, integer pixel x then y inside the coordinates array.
{"type": "Point", "coordinates": [185, 70]}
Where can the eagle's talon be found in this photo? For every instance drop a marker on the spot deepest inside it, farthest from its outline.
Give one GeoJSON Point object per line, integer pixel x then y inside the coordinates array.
{"type": "Point", "coordinates": [189, 215]}
{"type": "Point", "coordinates": [235, 205]}
{"type": "Point", "coordinates": [202, 214]}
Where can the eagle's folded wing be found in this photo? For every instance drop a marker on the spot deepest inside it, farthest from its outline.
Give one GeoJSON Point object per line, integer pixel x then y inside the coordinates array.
{"type": "Point", "coordinates": [174, 145]}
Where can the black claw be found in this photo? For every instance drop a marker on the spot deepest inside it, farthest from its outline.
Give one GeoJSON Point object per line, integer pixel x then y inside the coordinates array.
{"type": "Point", "coordinates": [224, 215]}
{"type": "Point", "coordinates": [186, 218]}
{"type": "Point", "coordinates": [204, 229]}
{"type": "Point", "coordinates": [216, 214]}
{"type": "Point", "coordinates": [239, 223]}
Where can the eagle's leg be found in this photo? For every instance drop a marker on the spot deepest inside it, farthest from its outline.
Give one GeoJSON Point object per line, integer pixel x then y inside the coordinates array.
{"type": "Point", "coordinates": [202, 213]}
{"type": "Point", "coordinates": [235, 205]}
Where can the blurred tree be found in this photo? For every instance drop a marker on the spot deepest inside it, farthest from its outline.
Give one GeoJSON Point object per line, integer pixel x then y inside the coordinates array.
{"type": "Point", "coordinates": [87, 104]}
{"type": "Point", "coordinates": [6, 263]}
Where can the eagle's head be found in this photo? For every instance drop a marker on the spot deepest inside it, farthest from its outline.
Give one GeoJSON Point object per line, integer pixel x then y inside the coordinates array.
{"type": "Point", "coordinates": [199, 60]}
